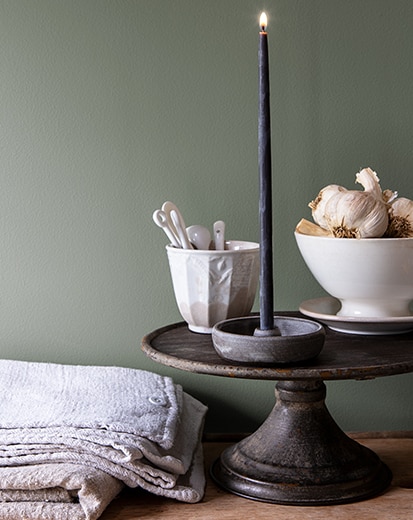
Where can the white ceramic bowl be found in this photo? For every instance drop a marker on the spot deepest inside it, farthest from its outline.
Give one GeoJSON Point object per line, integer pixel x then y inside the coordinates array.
{"type": "Point", "coordinates": [372, 277]}
{"type": "Point", "coordinates": [211, 286]}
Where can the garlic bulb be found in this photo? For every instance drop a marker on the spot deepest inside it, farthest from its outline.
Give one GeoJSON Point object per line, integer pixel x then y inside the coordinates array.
{"type": "Point", "coordinates": [401, 219]}
{"type": "Point", "coordinates": [356, 214]}
{"type": "Point", "coordinates": [352, 213]}
{"type": "Point", "coordinates": [318, 205]}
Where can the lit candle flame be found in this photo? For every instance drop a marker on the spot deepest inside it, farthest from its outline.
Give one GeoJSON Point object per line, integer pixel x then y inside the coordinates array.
{"type": "Point", "coordinates": [263, 21]}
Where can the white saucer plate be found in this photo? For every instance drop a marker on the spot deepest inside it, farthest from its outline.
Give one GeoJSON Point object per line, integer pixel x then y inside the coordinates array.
{"type": "Point", "coordinates": [325, 310]}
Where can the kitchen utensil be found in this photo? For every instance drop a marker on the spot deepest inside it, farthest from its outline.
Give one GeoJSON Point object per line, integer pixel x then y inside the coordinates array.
{"type": "Point", "coordinates": [219, 234]}
{"type": "Point", "coordinates": [199, 236]}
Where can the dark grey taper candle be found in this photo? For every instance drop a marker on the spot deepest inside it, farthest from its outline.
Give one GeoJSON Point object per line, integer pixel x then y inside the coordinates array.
{"type": "Point", "coordinates": [264, 164]}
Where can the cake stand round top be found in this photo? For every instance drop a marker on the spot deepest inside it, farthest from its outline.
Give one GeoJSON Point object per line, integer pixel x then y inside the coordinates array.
{"type": "Point", "coordinates": [344, 356]}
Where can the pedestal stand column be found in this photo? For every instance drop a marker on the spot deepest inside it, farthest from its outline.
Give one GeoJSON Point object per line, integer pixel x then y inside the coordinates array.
{"type": "Point", "coordinates": [299, 456]}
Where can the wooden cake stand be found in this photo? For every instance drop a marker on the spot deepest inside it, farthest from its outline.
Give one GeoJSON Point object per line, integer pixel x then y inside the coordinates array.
{"type": "Point", "coordinates": [299, 456]}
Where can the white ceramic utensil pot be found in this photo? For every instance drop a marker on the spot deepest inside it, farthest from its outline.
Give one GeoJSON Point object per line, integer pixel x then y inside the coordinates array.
{"type": "Point", "coordinates": [211, 286]}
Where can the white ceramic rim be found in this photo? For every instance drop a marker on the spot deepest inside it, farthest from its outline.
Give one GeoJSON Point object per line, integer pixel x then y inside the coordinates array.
{"type": "Point", "coordinates": [380, 239]}
{"type": "Point", "coordinates": [311, 308]}
{"type": "Point", "coordinates": [252, 246]}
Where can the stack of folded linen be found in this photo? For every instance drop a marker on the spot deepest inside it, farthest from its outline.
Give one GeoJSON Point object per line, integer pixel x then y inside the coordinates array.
{"type": "Point", "coordinates": [72, 436]}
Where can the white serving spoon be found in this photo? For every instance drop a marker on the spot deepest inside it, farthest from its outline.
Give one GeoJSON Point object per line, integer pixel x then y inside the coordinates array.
{"type": "Point", "coordinates": [178, 223]}
{"type": "Point", "coordinates": [161, 220]}
{"type": "Point", "coordinates": [219, 235]}
{"type": "Point", "coordinates": [199, 236]}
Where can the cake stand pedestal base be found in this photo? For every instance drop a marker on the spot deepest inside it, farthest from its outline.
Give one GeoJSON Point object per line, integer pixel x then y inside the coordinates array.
{"type": "Point", "coordinates": [299, 456]}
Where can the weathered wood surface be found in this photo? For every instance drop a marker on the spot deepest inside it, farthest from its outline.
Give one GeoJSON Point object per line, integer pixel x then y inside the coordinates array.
{"type": "Point", "coordinates": [396, 503]}
{"type": "Point", "coordinates": [344, 356]}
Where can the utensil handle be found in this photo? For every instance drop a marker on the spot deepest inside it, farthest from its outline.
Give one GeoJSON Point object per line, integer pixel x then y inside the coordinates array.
{"type": "Point", "coordinates": [219, 235]}
{"type": "Point", "coordinates": [180, 227]}
{"type": "Point", "coordinates": [160, 220]}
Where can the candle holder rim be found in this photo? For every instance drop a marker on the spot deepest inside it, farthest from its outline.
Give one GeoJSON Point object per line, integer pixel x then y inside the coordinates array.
{"type": "Point", "coordinates": [255, 320]}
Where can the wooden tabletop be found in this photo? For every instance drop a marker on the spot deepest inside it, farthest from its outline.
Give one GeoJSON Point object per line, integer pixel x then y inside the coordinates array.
{"type": "Point", "coordinates": [396, 503]}
{"type": "Point", "coordinates": [344, 356]}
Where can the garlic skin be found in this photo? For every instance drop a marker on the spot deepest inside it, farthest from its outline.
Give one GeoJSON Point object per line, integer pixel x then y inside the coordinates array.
{"type": "Point", "coordinates": [305, 227]}
{"type": "Point", "coordinates": [400, 219]}
{"type": "Point", "coordinates": [353, 213]}
{"type": "Point", "coordinates": [389, 196]}
{"type": "Point", "coordinates": [370, 182]}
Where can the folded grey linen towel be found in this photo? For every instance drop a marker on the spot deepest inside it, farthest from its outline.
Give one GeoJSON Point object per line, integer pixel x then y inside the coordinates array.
{"type": "Point", "coordinates": [135, 426]}
{"type": "Point", "coordinates": [55, 492]}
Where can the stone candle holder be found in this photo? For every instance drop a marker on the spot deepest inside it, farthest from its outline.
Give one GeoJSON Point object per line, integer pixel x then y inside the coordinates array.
{"type": "Point", "coordinates": [293, 340]}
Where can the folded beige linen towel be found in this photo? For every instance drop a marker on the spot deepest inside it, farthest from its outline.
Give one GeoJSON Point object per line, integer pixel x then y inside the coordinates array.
{"type": "Point", "coordinates": [133, 426]}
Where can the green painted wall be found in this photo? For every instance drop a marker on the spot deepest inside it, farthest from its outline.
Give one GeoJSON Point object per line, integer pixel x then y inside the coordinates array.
{"type": "Point", "coordinates": [110, 107]}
